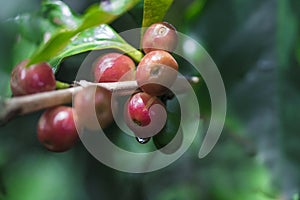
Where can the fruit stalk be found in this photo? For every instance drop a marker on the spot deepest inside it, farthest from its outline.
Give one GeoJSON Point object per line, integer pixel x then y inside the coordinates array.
{"type": "Point", "coordinates": [12, 107]}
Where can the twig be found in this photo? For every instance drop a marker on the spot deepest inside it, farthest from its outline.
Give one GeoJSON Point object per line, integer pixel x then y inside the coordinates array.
{"type": "Point", "coordinates": [9, 108]}
{"type": "Point", "coordinates": [123, 88]}
{"type": "Point", "coordinates": [30, 103]}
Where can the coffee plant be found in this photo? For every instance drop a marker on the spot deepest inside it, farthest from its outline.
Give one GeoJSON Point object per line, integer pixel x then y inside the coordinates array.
{"type": "Point", "coordinates": [129, 95]}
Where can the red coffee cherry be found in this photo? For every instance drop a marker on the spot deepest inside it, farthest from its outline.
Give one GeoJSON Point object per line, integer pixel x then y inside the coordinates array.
{"type": "Point", "coordinates": [139, 113]}
{"type": "Point", "coordinates": [138, 108]}
{"type": "Point", "coordinates": [112, 67]}
{"type": "Point", "coordinates": [93, 107]}
{"type": "Point", "coordinates": [156, 72]}
{"type": "Point", "coordinates": [160, 36]}
{"type": "Point", "coordinates": [33, 79]}
{"type": "Point", "coordinates": [56, 129]}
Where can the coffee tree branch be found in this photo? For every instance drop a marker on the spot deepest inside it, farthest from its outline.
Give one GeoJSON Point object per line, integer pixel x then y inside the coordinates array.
{"type": "Point", "coordinates": [12, 107]}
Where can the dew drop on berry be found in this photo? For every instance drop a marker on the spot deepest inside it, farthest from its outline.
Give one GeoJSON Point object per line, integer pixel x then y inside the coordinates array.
{"type": "Point", "coordinates": [143, 140]}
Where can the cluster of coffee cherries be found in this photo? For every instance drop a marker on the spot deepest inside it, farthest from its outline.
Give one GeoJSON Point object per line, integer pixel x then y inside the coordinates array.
{"type": "Point", "coordinates": [92, 106]}
{"type": "Point", "coordinates": [56, 127]}
{"type": "Point", "coordinates": [145, 112]}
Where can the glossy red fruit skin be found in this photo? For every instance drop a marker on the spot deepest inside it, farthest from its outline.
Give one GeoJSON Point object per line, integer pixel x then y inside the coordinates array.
{"type": "Point", "coordinates": [138, 108]}
{"type": "Point", "coordinates": [156, 72]}
{"type": "Point", "coordinates": [160, 36]}
{"type": "Point", "coordinates": [33, 79]}
{"type": "Point", "coordinates": [56, 129]}
{"type": "Point", "coordinates": [112, 67]}
{"type": "Point", "coordinates": [145, 115]}
{"type": "Point", "coordinates": [93, 107]}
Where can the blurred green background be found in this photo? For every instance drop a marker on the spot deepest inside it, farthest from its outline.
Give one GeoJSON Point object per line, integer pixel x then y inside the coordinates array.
{"type": "Point", "coordinates": [255, 45]}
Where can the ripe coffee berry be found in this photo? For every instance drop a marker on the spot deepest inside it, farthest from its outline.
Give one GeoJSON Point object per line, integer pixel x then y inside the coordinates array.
{"type": "Point", "coordinates": [93, 107]}
{"type": "Point", "coordinates": [33, 79]}
{"type": "Point", "coordinates": [160, 36]}
{"type": "Point", "coordinates": [56, 129]}
{"type": "Point", "coordinates": [156, 72]}
{"type": "Point", "coordinates": [139, 112]}
{"type": "Point", "coordinates": [112, 67]}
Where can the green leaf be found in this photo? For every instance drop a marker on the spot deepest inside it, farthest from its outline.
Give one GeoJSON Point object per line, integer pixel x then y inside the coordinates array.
{"type": "Point", "coordinates": [60, 14]}
{"type": "Point", "coordinates": [53, 17]}
{"type": "Point", "coordinates": [95, 15]}
{"type": "Point", "coordinates": [106, 12]}
{"type": "Point", "coordinates": [193, 11]}
{"type": "Point", "coordinates": [32, 27]}
{"type": "Point", "coordinates": [23, 49]}
{"type": "Point", "coordinates": [155, 10]}
{"type": "Point", "coordinates": [53, 47]}
{"type": "Point", "coordinates": [35, 29]}
{"type": "Point", "coordinates": [97, 38]}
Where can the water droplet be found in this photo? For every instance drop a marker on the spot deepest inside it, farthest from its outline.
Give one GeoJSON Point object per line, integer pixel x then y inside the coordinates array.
{"type": "Point", "coordinates": [143, 140]}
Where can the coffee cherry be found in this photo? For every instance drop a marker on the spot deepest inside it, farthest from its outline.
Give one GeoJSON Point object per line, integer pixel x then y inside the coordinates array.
{"type": "Point", "coordinates": [112, 67]}
{"type": "Point", "coordinates": [56, 129]}
{"type": "Point", "coordinates": [145, 115]}
{"type": "Point", "coordinates": [93, 107]}
{"type": "Point", "coordinates": [33, 79]}
{"type": "Point", "coordinates": [156, 72]}
{"type": "Point", "coordinates": [160, 36]}
{"type": "Point", "coordinates": [138, 108]}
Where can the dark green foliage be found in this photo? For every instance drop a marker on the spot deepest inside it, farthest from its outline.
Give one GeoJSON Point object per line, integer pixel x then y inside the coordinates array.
{"type": "Point", "coordinates": [255, 45]}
